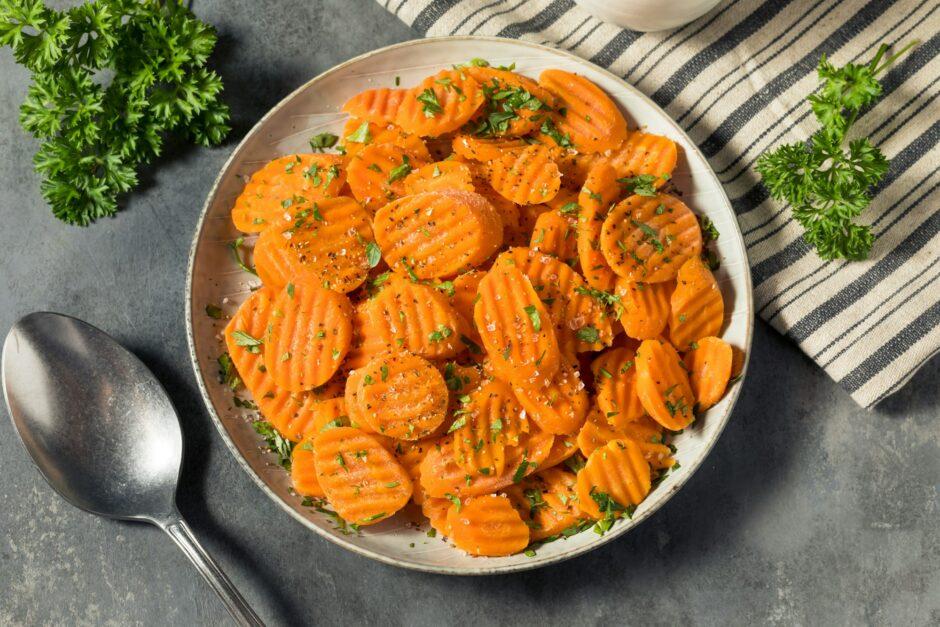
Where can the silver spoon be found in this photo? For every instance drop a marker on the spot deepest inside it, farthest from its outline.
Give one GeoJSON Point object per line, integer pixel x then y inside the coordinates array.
{"type": "Point", "coordinates": [102, 431]}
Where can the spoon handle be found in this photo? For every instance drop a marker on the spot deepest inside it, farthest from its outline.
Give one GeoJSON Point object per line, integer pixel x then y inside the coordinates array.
{"type": "Point", "coordinates": [183, 536]}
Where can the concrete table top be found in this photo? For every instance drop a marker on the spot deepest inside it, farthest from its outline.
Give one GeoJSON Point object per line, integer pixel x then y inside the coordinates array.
{"type": "Point", "coordinates": [809, 509]}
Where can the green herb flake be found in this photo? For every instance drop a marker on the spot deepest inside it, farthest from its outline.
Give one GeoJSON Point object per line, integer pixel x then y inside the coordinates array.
{"type": "Point", "coordinates": [361, 135]}
{"type": "Point", "coordinates": [214, 311]}
{"type": "Point", "coordinates": [322, 141]}
{"type": "Point", "coordinates": [533, 314]}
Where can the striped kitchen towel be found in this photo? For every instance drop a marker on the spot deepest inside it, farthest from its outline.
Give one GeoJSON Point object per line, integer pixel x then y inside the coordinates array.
{"type": "Point", "coordinates": [736, 80]}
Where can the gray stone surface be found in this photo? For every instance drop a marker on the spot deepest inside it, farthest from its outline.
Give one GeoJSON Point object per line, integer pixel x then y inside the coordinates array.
{"type": "Point", "coordinates": [809, 510]}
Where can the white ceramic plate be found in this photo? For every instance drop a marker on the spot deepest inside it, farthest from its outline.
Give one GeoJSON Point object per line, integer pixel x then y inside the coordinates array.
{"type": "Point", "coordinates": [314, 108]}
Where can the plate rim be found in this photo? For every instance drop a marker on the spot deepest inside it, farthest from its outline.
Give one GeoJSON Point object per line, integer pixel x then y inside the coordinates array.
{"type": "Point", "coordinates": [531, 563]}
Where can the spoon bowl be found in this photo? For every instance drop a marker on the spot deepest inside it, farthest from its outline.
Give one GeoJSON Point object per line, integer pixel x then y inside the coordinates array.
{"type": "Point", "coordinates": [102, 431]}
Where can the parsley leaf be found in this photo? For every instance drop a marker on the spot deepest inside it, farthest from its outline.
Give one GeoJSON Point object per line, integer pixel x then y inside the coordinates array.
{"type": "Point", "coordinates": [373, 254]}
{"type": "Point", "coordinates": [548, 128]}
{"type": "Point", "coordinates": [111, 80]}
{"type": "Point", "coordinates": [641, 184]}
{"type": "Point", "coordinates": [533, 314]}
{"type": "Point", "coordinates": [322, 141]}
{"type": "Point", "coordinates": [401, 171]}
{"type": "Point", "coordinates": [826, 183]}
{"type": "Point", "coordinates": [430, 105]}
{"type": "Point", "coordinates": [278, 445]}
{"type": "Point", "coordinates": [588, 334]}
{"type": "Point", "coordinates": [361, 135]}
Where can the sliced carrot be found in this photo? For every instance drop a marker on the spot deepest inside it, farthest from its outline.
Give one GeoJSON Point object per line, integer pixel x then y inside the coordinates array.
{"type": "Point", "coordinates": [357, 134]}
{"type": "Point", "coordinates": [600, 191]}
{"type": "Point", "coordinates": [514, 104]}
{"type": "Point", "coordinates": [556, 234]}
{"type": "Point", "coordinates": [645, 154]}
{"type": "Point", "coordinates": [557, 405]}
{"type": "Point", "coordinates": [410, 454]}
{"type": "Point", "coordinates": [284, 180]}
{"type": "Point", "coordinates": [547, 502]}
{"type": "Point", "coordinates": [581, 322]}
{"type": "Point", "coordinates": [527, 177]}
{"type": "Point", "coordinates": [485, 149]}
{"type": "Point", "coordinates": [644, 307]}
{"type": "Point", "coordinates": [443, 175]}
{"type": "Point", "coordinates": [442, 476]}
{"type": "Point", "coordinates": [440, 104]}
{"type": "Point", "coordinates": [709, 363]}
{"type": "Point", "coordinates": [325, 242]}
{"type": "Point", "coordinates": [647, 238]}
{"type": "Point", "coordinates": [514, 326]}
{"type": "Point", "coordinates": [737, 362]}
{"type": "Point", "coordinates": [436, 511]}
{"type": "Point", "coordinates": [369, 337]}
{"type": "Point", "coordinates": [489, 419]}
{"type": "Point", "coordinates": [615, 382]}
{"type": "Point", "coordinates": [596, 433]}
{"type": "Point", "coordinates": [697, 307]}
{"type": "Point", "coordinates": [402, 396]}
{"type": "Point", "coordinates": [487, 525]}
{"type": "Point", "coordinates": [615, 479]}
{"type": "Point", "coordinates": [376, 175]}
{"type": "Point", "coordinates": [590, 119]}
{"type": "Point", "coordinates": [291, 414]}
{"type": "Point", "coordinates": [308, 336]}
{"type": "Point", "coordinates": [303, 471]}
{"type": "Point", "coordinates": [663, 385]}
{"type": "Point", "coordinates": [465, 292]}
{"type": "Point", "coordinates": [510, 213]}
{"type": "Point", "coordinates": [363, 481]}
{"type": "Point", "coordinates": [417, 318]}
{"type": "Point", "coordinates": [564, 447]}
{"type": "Point", "coordinates": [438, 234]}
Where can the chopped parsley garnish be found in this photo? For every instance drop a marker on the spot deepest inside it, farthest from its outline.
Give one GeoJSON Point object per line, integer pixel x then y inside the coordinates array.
{"type": "Point", "coordinates": [453, 499]}
{"type": "Point", "coordinates": [441, 333]}
{"type": "Point", "coordinates": [709, 231]}
{"type": "Point", "coordinates": [520, 473]}
{"type": "Point", "coordinates": [431, 106]}
{"type": "Point", "coordinates": [472, 346]}
{"type": "Point", "coordinates": [373, 254]}
{"type": "Point", "coordinates": [227, 372]}
{"type": "Point", "coordinates": [610, 510]}
{"type": "Point", "coordinates": [214, 311]}
{"type": "Point", "coordinates": [322, 141]}
{"type": "Point", "coordinates": [533, 314]}
{"type": "Point", "coordinates": [569, 208]}
{"type": "Point", "coordinates": [588, 334]}
{"type": "Point", "coordinates": [400, 172]}
{"type": "Point", "coordinates": [458, 424]}
{"type": "Point", "coordinates": [641, 184]}
{"type": "Point", "coordinates": [278, 445]}
{"type": "Point", "coordinates": [361, 135]}
{"type": "Point", "coordinates": [235, 247]}
{"type": "Point", "coordinates": [549, 128]}
{"type": "Point", "coordinates": [253, 344]}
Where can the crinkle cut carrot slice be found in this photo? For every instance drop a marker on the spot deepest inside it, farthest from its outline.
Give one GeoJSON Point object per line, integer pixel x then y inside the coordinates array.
{"type": "Point", "coordinates": [581, 322]}
{"type": "Point", "coordinates": [291, 414]}
{"type": "Point", "coordinates": [438, 234]}
{"type": "Point", "coordinates": [646, 154]}
{"type": "Point", "coordinates": [556, 234]}
{"type": "Point", "coordinates": [615, 382]}
{"type": "Point", "coordinates": [410, 454]}
{"type": "Point", "coordinates": [600, 191]}
{"type": "Point", "coordinates": [514, 326]}
{"type": "Point", "coordinates": [465, 292]}
{"type": "Point", "coordinates": [547, 502]}
{"type": "Point", "coordinates": [484, 149]}
{"type": "Point", "coordinates": [615, 478]}
{"type": "Point", "coordinates": [557, 405]}
{"type": "Point", "coordinates": [697, 307]}
{"type": "Point", "coordinates": [647, 238]}
{"type": "Point", "coordinates": [440, 104]}
{"type": "Point", "coordinates": [709, 364]}
{"type": "Point", "coordinates": [597, 432]}
{"type": "Point", "coordinates": [308, 336]}
{"type": "Point", "coordinates": [439, 176]}
{"type": "Point", "coordinates": [325, 242]}
{"type": "Point", "coordinates": [357, 134]}
{"type": "Point", "coordinates": [565, 446]}
{"type": "Point", "coordinates": [442, 476]}
{"type": "Point", "coordinates": [362, 481]}
{"type": "Point", "coordinates": [435, 509]}
{"type": "Point", "coordinates": [303, 471]}
{"type": "Point", "coordinates": [284, 180]}
{"type": "Point", "coordinates": [644, 307]}
{"type": "Point", "coordinates": [514, 104]}
{"type": "Point", "coordinates": [591, 120]}
{"type": "Point", "coordinates": [489, 420]}
{"type": "Point", "coordinates": [487, 525]}
{"type": "Point", "coordinates": [402, 396]}
{"type": "Point", "coordinates": [527, 177]}
{"type": "Point", "coordinates": [418, 318]}
{"type": "Point", "coordinates": [663, 385]}
{"type": "Point", "coordinates": [514, 228]}
{"type": "Point", "coordinates": [376, 175]}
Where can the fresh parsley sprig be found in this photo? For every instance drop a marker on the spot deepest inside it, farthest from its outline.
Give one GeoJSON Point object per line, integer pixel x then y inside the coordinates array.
{"type": "Point", "coordinates": [827, 181]}
{"type": "Point", "coordinates": [95, 131]}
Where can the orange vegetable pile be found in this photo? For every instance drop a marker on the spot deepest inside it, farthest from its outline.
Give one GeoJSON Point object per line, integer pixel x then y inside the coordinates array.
{"type": "Point", "coordinates": [487, 303]}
